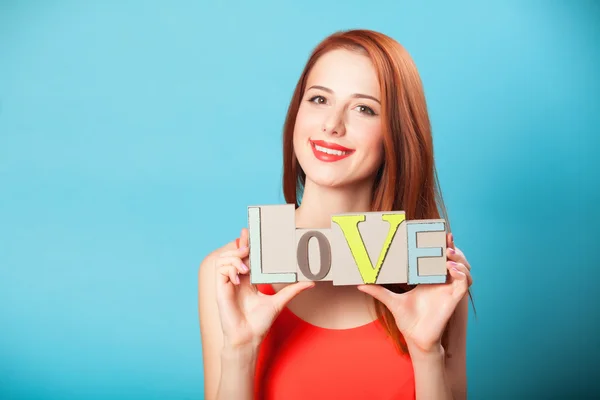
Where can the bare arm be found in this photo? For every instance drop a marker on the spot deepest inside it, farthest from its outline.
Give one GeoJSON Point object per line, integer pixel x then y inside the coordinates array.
{"type": "Point", "coordinates": [234, 319]}
{"type": "Point", "coordinates": [442, 375]}
{"type": "Point", "coordinates": [422, 314]}
{"type": "Point", "coordinates": [228, 371]}
{"type": "Point", "coordinates": [456, 354]}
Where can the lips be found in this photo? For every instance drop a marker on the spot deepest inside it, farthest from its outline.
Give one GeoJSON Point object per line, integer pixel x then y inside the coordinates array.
{"type": "Point", "coordinates": [329, 152]}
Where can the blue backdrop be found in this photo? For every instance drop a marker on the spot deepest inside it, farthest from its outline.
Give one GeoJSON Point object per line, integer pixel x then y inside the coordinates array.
{"type": "Point", "coordinates": [133, 135]}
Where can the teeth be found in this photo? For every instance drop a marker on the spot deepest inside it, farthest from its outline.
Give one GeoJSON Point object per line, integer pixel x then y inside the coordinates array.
{"type": "Point", "coordinates": [332, 152]}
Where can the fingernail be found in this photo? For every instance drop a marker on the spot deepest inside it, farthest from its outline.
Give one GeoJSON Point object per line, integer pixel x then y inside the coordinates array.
{"type": "Point", "coordinates": [451, 250]}
{"type": "Point", "coordinates": [454, 269]}
{"type": "Point", "coordinates": [244, 248]}
{"type": "Point", "coordinates": [236, 280]}
{"type": "Point", "coordinates": [453, 263]}
{"type": "Point", "coordinates": [244, 267]}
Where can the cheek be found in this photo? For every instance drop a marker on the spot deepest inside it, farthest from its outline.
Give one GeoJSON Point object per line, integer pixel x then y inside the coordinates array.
{"type": "Point", "coordinates": [370, 138]}
{"type": "Point", "coordinates": [307, 123]}
{"type": "Point", "coordinates": [303, 130]}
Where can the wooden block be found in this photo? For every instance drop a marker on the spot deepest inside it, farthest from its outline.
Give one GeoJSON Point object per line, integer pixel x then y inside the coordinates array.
{"type": "Point", "coordinates": [313, 255]}
{"type": "Point", "coordinates": [426, 251]}
{"type": "Point", "coordinates": [272, 244]}
{"type": "Point", "coordinates": [369, 248]}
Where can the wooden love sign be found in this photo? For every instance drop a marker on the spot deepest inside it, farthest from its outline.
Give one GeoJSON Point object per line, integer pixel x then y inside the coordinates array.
{"type": "Point", "coordinates": [359, 248]}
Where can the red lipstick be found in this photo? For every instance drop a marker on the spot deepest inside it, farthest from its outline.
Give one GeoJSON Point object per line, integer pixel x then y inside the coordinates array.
{"type": "Point", "coordinates": [320, 148]}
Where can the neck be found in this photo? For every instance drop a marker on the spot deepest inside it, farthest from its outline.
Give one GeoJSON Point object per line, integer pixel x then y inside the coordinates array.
{"type": "Point", "coordinates": [319, 203]}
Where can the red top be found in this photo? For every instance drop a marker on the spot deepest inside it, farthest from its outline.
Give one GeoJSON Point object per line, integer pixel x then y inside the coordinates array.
{"type": "Point", "coordinates": [298, 360]}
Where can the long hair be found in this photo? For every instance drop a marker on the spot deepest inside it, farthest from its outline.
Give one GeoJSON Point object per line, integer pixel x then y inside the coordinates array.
{"type": "Point", "coordinates": [407, 179]}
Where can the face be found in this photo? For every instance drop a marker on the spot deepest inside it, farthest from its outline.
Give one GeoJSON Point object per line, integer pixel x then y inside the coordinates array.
{"type": "Point", "coordinates": [338, 137]}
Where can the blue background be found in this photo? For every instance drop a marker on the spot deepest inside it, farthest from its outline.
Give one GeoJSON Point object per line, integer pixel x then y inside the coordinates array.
{"type": "Point", "coordinates": [133, 135]}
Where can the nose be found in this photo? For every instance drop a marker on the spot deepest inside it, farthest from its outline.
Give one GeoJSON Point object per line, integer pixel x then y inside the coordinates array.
{"type": "Point", "coordinates": [334, 124]}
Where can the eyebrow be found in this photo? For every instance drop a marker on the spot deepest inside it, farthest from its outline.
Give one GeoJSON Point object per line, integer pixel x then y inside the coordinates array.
{"type": "Point", "coordinates": [355, 95]}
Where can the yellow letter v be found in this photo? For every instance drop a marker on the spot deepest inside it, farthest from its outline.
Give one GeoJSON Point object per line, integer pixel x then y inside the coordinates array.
{"type": "Point", "coordinates": [349, 226]}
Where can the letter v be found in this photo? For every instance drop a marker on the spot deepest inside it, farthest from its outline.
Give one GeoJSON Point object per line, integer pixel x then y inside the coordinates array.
{"type": "Point", "coordinates": [349, 226]}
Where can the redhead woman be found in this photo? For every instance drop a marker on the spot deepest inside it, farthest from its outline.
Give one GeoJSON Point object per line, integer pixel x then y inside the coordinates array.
{"type": "Point", "coordinates": [357, 138]}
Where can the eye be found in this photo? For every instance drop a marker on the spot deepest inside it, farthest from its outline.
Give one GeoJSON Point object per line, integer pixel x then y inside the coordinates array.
{"type": "Point", "coordinates": [365, 109]}
{"type": "Point", "coordinates": [317, 99]}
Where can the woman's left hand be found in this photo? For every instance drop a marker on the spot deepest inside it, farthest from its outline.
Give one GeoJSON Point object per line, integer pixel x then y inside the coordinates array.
{"type": "Point", "coordinates": [422, 313]}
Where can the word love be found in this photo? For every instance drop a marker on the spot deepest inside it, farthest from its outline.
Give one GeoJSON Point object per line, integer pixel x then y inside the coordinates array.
{"type": "Point", "coordinates": [361, 248]}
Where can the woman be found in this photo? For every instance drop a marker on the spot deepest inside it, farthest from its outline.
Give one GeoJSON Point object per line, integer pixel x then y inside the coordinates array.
{"type": "Point", "coordinates": [360, 90]}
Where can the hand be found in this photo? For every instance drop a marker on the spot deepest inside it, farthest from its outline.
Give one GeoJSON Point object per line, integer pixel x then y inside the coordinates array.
{"type": "Point", "coordinates": [422, 313]}
{"type": "Point", "coordinates": [247, 314]}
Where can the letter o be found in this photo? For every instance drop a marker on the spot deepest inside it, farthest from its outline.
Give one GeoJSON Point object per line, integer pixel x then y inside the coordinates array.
{"type": "Point", "coordinates": [324, 250]}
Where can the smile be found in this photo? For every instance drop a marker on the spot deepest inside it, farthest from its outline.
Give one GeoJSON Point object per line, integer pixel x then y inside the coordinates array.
{"type": "Point", "coordinates": [329, 152]}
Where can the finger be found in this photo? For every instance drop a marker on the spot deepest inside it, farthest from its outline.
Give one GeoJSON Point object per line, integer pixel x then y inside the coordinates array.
{"type": "Point", "coordinates": [286, 294]}
{"type": "Point", "coordinates": [226, 274]}
{"type": "Point", "coordinates": [382, 294]}
{"type": "Point", "coordinates": [453, 254]}
{"type": "Point", "coordinates": [459, 284]}
{"type": "Point", "coordinates": [462, 269]}
{"type": "Point", "coordinates": [244, 243]}
{"type": "Point", "coordinates": [456, 255]}
{"type": "Point", "coordinates": [449, 240]}
{"type": "Point", "coordinates": [235, 261]}
{"type": "Point", "coordinates": [244, 236]}
{"type": "Point", "coordinates": [239, 252]}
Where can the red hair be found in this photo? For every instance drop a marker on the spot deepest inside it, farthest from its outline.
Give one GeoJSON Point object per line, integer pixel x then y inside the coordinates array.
{"type": "Point", "coordinates": [407, 179]}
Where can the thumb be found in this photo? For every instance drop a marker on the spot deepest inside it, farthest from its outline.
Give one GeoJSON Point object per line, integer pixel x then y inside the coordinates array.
{"type": "Point", "coordinates": [382, 294]}
{"type": "Point", "coordinates": [281, 298]}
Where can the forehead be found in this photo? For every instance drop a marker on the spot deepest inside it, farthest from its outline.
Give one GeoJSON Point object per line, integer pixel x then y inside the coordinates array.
{"type": "Point", "coordinates": [345, 72]}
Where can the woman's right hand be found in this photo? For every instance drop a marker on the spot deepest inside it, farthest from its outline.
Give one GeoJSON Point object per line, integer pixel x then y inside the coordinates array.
{"type": "Point", "coordinates": [247, 314]}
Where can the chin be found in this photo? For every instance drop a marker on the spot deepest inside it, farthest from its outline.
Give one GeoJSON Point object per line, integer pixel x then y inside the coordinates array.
{"type": "Point", "coordinates": [333, 179]}
{"type": "Point", "coordinates": [327, 181]}
{"type": "Point", "coordinates": [324, 175]}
